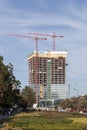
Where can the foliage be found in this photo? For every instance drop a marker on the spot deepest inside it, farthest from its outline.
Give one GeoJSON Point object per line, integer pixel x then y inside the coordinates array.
{"type": "Point", "coordinates": [66, 103]}
{"type": "Point", "coordinates": [9, 86]}
{"type": "Point", "coordinates": [76, 103]}
{"type": "Point", "coordinates": [28, 97]}
{"type": "Point", "coordinates": [85, 101]}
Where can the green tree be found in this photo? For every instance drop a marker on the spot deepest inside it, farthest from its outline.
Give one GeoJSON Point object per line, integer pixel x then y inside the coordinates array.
{"type": "Point", "coordinates": [75, 103]}
{"type": "Point", "coordinates": [9, 86]}
{"type": "Point", "coordinates": [28, 96]}
{"type": "Point", "coordinates": [85, 102]}
{"type": "Point", "coordinates": [66, 103]}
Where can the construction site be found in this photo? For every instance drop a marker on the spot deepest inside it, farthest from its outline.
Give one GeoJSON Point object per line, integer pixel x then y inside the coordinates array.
{"type": "Point", "coordinates": [47, 71]}
{"type": "Point", "coordinates": [47, 74]}
{"type": "Point", "coordinates": [51, 75]}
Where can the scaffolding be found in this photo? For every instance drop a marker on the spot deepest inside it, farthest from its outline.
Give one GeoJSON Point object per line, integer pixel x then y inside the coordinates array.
{"type": "Point", "coordinates": [51, 73]}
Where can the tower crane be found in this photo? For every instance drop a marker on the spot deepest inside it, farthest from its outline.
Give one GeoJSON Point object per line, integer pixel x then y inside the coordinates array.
{"type": "Point", "coordinates": [36, 38]}
{"type": "Point", "coordinates": [54, 36]}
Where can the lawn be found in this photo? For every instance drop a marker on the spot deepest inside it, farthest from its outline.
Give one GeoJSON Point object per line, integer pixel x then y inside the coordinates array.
{"type": "Point", "coordinates": [47, 121]}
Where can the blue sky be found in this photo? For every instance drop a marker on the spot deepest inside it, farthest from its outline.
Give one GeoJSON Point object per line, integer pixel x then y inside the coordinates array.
{"type": "Point", "coordinates": [65, 17]}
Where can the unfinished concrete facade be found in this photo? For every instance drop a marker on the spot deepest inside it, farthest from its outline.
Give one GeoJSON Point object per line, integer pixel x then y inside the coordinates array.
{"type": "Point", "coordinates": [51, 74]}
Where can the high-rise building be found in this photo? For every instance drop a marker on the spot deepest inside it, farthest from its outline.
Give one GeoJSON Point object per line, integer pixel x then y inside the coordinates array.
{"type": "Point", "coordinates": [49, 75]}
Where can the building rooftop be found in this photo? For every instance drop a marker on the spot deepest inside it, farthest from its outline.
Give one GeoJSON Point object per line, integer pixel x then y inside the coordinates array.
{"type": "Point", "coordinates": [49, 54]}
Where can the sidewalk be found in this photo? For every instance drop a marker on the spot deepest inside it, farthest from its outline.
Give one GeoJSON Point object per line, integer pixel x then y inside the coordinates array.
{"type": "Point", "coordinates": [4, 116]}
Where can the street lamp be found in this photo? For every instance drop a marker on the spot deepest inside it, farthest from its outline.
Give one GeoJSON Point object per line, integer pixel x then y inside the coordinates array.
{"type": "Point", "coordinates": [69, 90]}
{"type": "Point", "coordinates": [77, 97]}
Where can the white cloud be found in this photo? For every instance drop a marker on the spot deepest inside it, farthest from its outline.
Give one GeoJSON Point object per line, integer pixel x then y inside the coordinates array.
{"type": "Point", "coordinates": [79, 64]}
{"type": "Point", "coordinates": [17, 19]}
{"type": "Point", "coordinates": [71, 21]}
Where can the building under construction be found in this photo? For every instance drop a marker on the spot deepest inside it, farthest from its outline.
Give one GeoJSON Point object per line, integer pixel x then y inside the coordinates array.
{"type": "Point", "coordinates": [47, 74]}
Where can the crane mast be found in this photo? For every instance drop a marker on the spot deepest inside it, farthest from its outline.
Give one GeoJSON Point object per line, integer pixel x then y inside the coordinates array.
{"type": "Point", "coordinates": [36, 38]}
{"type": "Point", "coordinates": [54, 36]}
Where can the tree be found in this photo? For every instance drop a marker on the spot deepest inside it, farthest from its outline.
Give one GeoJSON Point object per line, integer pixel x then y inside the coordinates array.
{"type": "Point", "coordinates": [85, 102]}
{"type": "Point", "coordinates": [75, 103]}
{"type": "Point", "coordinates": [8, 93]}
{"type": "Point", "coordinates": [28, 96]}
{"type": "Point", "coordinates": [66, 103]}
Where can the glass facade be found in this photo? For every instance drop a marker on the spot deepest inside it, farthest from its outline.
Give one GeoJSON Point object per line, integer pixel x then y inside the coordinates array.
{"type": "Point", "coordinates": [49, 103]}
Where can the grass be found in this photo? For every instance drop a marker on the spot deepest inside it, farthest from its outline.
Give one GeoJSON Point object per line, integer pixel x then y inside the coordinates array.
{"type": "Point", "coordinates": [80, 120]}
{"type": "Point", "coordinates": [47, 121]}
